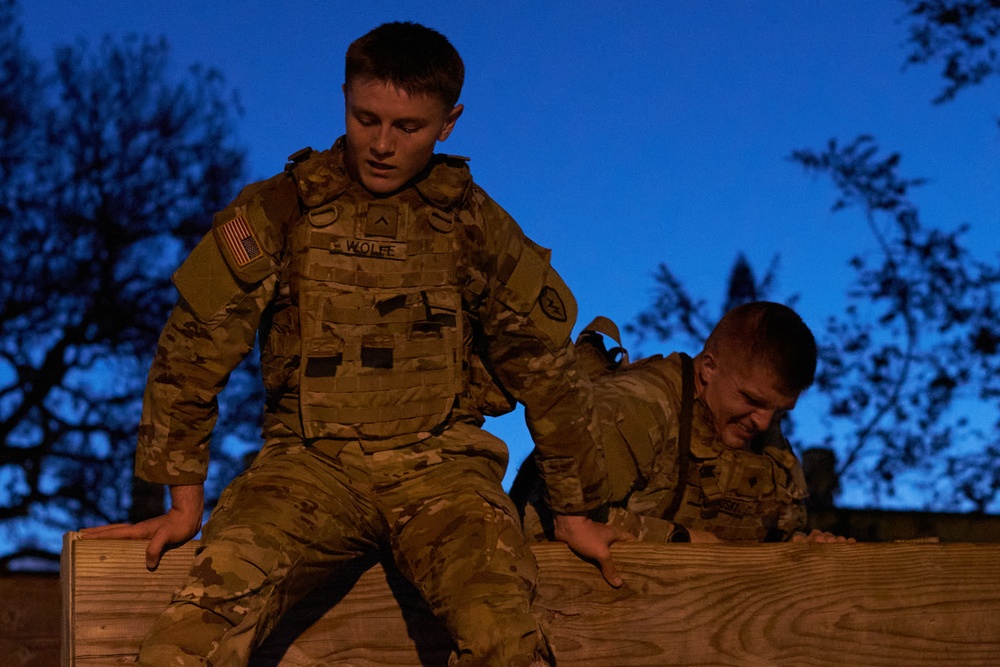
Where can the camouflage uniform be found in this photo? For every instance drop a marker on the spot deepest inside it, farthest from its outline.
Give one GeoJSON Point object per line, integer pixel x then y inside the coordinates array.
{"type": "Point", "coordinates": [389, 328]}
{"type": "Point", "coordinates": [751, 494]}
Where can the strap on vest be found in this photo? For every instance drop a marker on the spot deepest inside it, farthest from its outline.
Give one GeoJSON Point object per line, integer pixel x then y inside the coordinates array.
{"type": "Point", "coordinates": [683, 439]}
{"type": "Point", "coordinates": [711, 494]}
{"type": "Point", "coordinates": [616, 356]}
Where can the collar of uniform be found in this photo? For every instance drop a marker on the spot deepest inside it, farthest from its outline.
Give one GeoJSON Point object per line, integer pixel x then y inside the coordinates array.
{"type": "Point", "coordinates": [445, 181]}
{"type": "Point", "coordinates": [322, 176]}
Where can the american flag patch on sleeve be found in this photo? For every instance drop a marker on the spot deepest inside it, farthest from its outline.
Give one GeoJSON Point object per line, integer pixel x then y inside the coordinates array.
{"type": "Point", "coordinates": [240, 240]}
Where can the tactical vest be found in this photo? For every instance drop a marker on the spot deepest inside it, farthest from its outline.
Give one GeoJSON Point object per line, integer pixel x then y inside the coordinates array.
{"type": "Point", "coordinates": [738, 494]}
{"type": "Point", "coordinates": [679, 470]}
{"type": "Point", "coordinates": [372, 303]}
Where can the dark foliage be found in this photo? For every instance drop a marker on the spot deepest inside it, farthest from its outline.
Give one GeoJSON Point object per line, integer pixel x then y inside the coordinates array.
{"type": "Point", "coordinates": [676, 316]}
{"type": "Point", "coordinates": [911, 369]}
{"type": "Point", "coordinates": [111, 168]}
{"type": "Point", "coordinates": [961, 33]}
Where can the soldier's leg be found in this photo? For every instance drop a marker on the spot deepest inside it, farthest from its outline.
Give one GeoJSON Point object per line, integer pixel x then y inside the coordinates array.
{"type": "Point", "coordinates": [457, 538]}
{"type": "Point", "coordinates": [278, 531]}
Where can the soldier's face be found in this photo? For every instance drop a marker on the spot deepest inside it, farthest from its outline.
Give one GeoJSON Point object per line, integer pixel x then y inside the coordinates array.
{"type": "Point", "coordinates": [390, 134]}
{"type": "Point", "coordinates": [743, 399]}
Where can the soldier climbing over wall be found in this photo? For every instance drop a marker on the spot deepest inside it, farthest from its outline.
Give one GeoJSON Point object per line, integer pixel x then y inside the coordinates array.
{"type": "Point", "coordinates": [693, 447]}
{"type": "Point", "coordinates": [392, 298]}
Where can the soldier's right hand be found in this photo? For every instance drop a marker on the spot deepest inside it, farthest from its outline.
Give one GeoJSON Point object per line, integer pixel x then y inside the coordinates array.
{"type": "Point", "coordinates": [592, 541]}
{"type": "Point", "coordinates": [181, 522]}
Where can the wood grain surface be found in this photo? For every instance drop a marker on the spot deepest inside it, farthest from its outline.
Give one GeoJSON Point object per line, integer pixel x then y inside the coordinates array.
{"type": "Point", "coordinates": [682, 604]}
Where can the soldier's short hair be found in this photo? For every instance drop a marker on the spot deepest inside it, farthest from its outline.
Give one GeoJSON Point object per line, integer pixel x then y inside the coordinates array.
{"type": "Point", "coordinates": [771, 335]}
{"type": "Point", "coordinates": [409, 56]}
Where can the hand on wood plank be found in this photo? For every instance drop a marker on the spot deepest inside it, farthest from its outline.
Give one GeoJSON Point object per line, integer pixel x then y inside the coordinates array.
{"type": "Point", "coordinates": [818, 535]}
{"type": "Point", "coordinates": [592, 541]}
{"type": "Point", "coordinates": [181, 523]}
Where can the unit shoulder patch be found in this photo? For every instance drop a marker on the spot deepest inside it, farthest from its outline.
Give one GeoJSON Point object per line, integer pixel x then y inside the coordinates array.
{"type": "Point", "coordinates": [552, 304]}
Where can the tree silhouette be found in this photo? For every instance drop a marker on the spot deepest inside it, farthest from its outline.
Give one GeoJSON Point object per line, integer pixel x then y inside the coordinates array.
{"type": "Point", "coordinates": [911, 368]}
{"type": "Point", "coordinates": [677, 316]}
{"type": "Point", "coordinates": [963, 33]}
{"type": "Point", "coordinates": [111, 171]}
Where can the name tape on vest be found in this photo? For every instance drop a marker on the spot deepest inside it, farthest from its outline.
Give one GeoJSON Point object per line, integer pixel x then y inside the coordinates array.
{"type": "Point", "coordinates": [377, 248]}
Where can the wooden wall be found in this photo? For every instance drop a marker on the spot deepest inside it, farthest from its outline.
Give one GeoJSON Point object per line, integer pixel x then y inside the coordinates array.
{"type": "Point", "coordinates": [29, 620]}
{"type": "Point", "coordinates": [783, 604]}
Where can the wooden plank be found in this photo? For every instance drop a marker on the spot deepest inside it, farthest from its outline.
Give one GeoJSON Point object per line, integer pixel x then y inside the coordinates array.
{"type": "Point", "coordinates": [67, 590]}
{"type": "Point", "coordinates": [29, 630]}
{"type": "Point", "coordinates": [782, 604]}
{"type": "Point", "coordinates": [112, 599]}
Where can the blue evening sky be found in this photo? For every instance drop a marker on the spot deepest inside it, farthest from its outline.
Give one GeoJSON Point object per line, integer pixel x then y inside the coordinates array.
{"type": "Point", "coordinates": [620, 134]}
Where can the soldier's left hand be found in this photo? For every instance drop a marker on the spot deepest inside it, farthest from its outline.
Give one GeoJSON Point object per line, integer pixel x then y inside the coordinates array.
{"type": "Point", "coordinates": [592, 541]}
{"type": "Point", "coordinates": [818, 535]}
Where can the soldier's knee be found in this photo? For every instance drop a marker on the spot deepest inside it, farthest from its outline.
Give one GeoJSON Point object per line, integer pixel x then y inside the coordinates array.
{"type": "Point", "coordinates": [497, 633]}
{"type": "Point", "coordinates": [227, 570]}
{"type": "Point", "coordinates": [183, 635]}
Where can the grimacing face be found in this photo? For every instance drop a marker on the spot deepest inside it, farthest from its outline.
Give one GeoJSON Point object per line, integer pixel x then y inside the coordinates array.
{"type": "Point", "coordinates": [390, 134]}
{"type": "Point", "coordinates": [743, 399]}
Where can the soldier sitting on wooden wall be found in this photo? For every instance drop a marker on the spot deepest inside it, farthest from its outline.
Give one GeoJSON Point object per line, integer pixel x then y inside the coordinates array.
{"type": "Point", "coordinates": [694, 446]}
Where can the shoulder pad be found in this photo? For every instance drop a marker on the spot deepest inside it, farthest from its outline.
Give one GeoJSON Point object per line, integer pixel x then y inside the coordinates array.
{"type": "Point", "coordinates": [668, 369]}
{"type": "Point", "coordinates": [320, 176]}
{"type": "Point", "coordinates": [705, 448]}
{"type": "Point", "coordinates": [773, 444]}
{"type": "Point", "coordinates": [206, 282]}
{"type": "Point", "coordinates": [447, 181]}
{"type": "Point", "coordinates": [533, 288]}
{"type": "Point", "coordinates": [298, 156]}
{"type": "Point", "coordinates": [248, 231]}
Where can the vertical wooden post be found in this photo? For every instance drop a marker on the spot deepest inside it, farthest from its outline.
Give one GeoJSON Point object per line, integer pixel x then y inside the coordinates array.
{"type": "Point", "coordinates": [67, 586]}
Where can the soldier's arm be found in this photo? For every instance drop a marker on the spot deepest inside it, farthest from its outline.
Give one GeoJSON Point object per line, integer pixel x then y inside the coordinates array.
{"type": "Point", "coordinates": [179, 411]}
{"type": "Point", "coordinates": [210, 330]}
{"type": "Point", "coordinates": [653, 529]}
{"type": "Point", "coordinates": [792, 482]}
{"type": "Point", "coordinates": [527, 316]}
{"type": "Point", "coordinates": [192, 365]}
{"type": "Point", "coordinates": [544, 377]}
{"type": "Point", "coordinates": [225, 285]}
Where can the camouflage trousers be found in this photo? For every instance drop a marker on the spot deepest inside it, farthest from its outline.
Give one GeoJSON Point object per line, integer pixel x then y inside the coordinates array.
{"type": "Point", "coordinates": [282, 527]}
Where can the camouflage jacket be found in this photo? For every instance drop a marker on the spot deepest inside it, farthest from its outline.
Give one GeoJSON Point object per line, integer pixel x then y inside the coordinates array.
{"type": "Point", "coordinates": [752, 494]}
{"type": "Point", "coordinates": [755, 493]}
{"type": "Point", "coordinates": [297, 261]}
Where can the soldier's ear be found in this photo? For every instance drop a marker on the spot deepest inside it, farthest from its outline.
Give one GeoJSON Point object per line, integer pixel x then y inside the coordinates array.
{"type": "Point", "coordinates": [449, 121]}
{"type": "Point", "coordinates": [707, 367]}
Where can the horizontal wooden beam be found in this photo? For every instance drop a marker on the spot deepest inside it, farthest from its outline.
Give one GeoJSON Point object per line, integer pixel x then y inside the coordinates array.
{"type": "Point", "coordinates": [682, 604]}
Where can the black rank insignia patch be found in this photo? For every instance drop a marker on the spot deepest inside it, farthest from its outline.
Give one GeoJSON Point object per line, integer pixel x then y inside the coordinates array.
{"type": "Point", "coordinates": [240, 240]}
{"type": "Point", "coordinates": [552, 304]}
{"type": "Point", "coordinates": [382, 221]}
